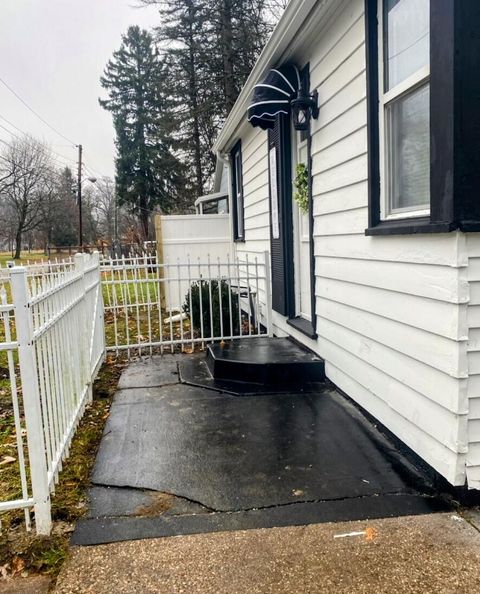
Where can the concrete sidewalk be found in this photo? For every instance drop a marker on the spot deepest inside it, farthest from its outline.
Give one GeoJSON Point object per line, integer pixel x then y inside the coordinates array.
{"type": "Point", "coordinates": [437, 553]}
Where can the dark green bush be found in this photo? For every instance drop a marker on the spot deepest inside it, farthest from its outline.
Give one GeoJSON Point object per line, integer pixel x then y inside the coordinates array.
{"type": "Point", "coordinates": [200, 293]}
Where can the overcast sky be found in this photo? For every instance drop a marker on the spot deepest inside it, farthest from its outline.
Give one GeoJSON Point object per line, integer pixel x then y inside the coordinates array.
{"type": "Point", "coordinates": [52, 53]}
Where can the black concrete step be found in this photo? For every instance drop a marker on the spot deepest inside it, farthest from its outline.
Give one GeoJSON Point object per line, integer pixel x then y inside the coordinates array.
{"type": "Point", "coordinates": [265, 361]}
{"type": "Point", "coordinates": [194, 372]}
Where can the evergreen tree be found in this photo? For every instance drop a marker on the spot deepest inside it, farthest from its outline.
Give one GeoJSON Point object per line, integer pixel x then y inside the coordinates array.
{"type": "Point", "coordinates": [148, 173]}
{"type": "Point", "coordinates": [63, 219]}
{"type": "Point", "coordinates": [183, 35]}
{"type": "Point", "coordinates": [212, 46]}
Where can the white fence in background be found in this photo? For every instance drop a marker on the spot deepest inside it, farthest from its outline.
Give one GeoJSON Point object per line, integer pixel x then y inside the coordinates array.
{"type": "Point", "coordinates": [59, 341]}
{"type": "Point", "coordinates": [179, 236]}
{"type": "Point", "coordinates": [151, 306]}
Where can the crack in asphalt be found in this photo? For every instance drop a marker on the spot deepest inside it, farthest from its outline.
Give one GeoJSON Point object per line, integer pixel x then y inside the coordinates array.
{"type": "Point", "coordinates": [265, 507]}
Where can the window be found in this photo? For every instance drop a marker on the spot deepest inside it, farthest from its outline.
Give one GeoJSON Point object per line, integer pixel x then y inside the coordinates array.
{"type": "Point", "coordinates": [404, 99]}
{"type": "Point", "coordinates": [237, 193]}
{"type": "Point", "coordinates": [423, 120]}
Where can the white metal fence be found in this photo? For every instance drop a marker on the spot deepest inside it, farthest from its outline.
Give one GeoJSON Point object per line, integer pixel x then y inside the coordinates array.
{"type": "Point", "coordinates": [59, 318]}
{"type": "Point", "coordinates": [12, 408]}
{"type": "Point", "coordinates": [59, 345]}
{"type": "Point", "coordinates": [150, 306]}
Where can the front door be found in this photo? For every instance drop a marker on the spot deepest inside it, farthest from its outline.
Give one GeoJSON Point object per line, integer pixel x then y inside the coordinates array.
{"type": "Point", "coordinates": [290, 229]}
{"type": "Point", "coordinates": [301, 233]}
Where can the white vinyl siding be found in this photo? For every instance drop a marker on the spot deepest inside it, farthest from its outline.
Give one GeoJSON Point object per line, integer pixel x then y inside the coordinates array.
{"type": "Point", "coordinates": [389, 323]}
{"type": "Point", "coordinates": [391, 311]}
{"type": "Point", "coordinates": [473, 455]}
{"type": "Point", "coordinates": [255, 199]}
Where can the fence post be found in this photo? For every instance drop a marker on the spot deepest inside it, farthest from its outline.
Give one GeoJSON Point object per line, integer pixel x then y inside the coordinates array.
{"type": "Point", "coordinates": [268, 292]}
{"type": "Point", "coordinates": [100, 304]}
{"type": "Point", "coordinates": [80, 264]}
{"type": "Point", "coordinates": [31, 400]}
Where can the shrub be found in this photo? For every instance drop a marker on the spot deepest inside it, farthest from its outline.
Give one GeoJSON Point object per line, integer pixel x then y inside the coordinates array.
{"type": "Point", "coordinates": [201, 292]}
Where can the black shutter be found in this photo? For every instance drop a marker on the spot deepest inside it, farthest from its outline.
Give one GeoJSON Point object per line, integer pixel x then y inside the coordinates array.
{"type": "Point", "coordinates": [282, 247]}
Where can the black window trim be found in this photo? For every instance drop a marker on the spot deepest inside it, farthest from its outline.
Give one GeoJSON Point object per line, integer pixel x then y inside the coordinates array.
{"type": "Point", "coordinates": [454, 122]}
{"type": "Point", "coordinates": [237, 149]}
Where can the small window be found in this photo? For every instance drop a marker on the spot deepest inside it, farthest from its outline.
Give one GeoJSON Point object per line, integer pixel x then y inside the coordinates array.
{"type": "Point", "coordinates": [237, 193]}
{"type": "Point", "coordinates": [404, 93]}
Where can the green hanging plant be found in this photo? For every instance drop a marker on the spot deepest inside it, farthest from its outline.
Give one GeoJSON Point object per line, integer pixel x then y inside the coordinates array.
{"type": "Point", "coordinates": [301, 187]}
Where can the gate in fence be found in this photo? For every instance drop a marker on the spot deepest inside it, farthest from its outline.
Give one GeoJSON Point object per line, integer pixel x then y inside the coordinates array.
{"type": "Point", "coordinates": [56, 335]}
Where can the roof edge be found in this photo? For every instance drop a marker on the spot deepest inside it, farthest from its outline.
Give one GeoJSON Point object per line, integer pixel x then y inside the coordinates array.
{"type": "Point", "coordinates": [292, 19]}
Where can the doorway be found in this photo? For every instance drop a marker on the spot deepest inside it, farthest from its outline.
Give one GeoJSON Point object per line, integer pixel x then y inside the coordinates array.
{"type": "Point", "coordinates": [301, 233]}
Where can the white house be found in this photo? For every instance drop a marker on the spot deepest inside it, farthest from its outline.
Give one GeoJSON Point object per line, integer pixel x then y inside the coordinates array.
{"type": "Point", "coordinates": [381, 275]}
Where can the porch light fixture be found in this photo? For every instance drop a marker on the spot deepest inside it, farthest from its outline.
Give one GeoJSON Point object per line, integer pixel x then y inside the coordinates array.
{"type": "Point", "coordinates": [304, 107]}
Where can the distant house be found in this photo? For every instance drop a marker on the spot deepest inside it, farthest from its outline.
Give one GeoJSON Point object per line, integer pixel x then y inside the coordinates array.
{"type": "Point", "coordinates": [381, 273]}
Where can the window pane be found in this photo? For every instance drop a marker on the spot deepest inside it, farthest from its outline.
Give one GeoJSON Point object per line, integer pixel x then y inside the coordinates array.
{"type": "Point", "coordinates": [407, 44]}
{"type": "Point", "coordinates": [240, 225]}
{"type": "Point", "coordinates": [408, 146]}
{"type": "Point", "coordinates": [238, 172]}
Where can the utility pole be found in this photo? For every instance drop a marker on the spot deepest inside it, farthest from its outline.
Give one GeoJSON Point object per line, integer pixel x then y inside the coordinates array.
{"type": "Point", "coordinates": [79, 196]}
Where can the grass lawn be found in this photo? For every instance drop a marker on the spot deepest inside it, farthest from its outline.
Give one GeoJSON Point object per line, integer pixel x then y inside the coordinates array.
{"type": "Point", "coordinates": [29, 257]}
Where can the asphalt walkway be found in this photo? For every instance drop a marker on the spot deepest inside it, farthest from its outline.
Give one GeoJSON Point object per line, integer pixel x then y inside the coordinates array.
{"type": "Point", "coordinates": [178, 459]}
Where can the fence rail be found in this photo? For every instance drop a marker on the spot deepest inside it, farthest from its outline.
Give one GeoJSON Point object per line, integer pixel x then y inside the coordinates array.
{"type": "Point", "coordinates": [57, 319]}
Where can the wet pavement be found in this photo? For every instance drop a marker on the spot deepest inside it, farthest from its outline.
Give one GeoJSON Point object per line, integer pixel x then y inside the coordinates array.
{"type": "Point", "coordinates": [182, 459]}
{"type": "Point", "coordinates": [437, 553]}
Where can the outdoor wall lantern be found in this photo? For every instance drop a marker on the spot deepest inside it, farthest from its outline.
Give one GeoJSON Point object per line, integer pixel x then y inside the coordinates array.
{"type": "Point", "coordinates": [304, 107]}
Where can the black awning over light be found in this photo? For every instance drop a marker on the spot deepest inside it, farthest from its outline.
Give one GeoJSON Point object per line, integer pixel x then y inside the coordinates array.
{"type": "Point", "coordinates": [272, 95]}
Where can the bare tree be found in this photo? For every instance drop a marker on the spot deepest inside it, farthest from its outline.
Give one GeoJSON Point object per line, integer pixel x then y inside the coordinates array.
{"type": "Point", "coordinates": [26, 164]}
{"type": "Point", "coordinates": [105, 208]}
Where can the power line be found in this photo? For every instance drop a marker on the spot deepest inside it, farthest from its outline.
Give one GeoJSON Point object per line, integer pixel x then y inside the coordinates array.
{"type": "Point", "coordinates": [25, 134]}
{"type": "Point", "coordinates": [36, 113]}
{"type": "Point", "coordinates": [92, 170]}
{"type": "Point", "coordinates": [9, 131]}
{"type": "Point", "coordinates": [11, 124]}
{"type": "Point", "coordinates": [62, 164]}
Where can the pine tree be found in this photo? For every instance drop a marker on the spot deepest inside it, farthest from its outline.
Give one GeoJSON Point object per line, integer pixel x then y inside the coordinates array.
{"type": "Point", "coordinates": [148, 173]}
{"type": "Point", "coordinates": [183, 35]}
{"type": "Point", "coordinates": [62, 219]}
{"type": "Point", "coordinates": [212, 46]}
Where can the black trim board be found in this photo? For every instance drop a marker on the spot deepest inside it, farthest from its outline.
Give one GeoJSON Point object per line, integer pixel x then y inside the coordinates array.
{"type": "Point", "coordinates": [373, 133]}
{"type": "Point", "coordinates": [304, 326]}
{"type": "Point", "coordinates": [409, 226]}
{"type": "Point", "coordinates": [454, 121]}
